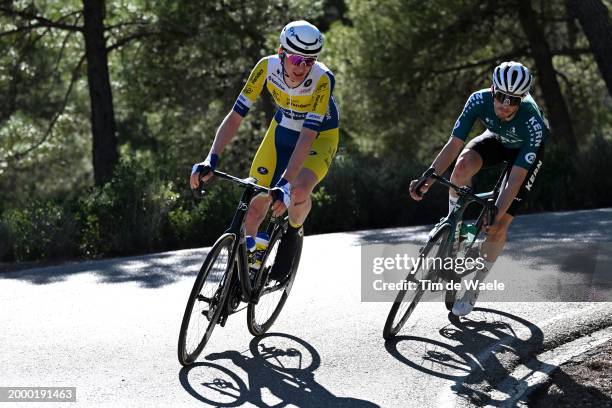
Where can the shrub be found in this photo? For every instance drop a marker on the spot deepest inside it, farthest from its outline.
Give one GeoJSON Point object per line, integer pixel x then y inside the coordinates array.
{"type": "Point", "coordinates": [42, 230]}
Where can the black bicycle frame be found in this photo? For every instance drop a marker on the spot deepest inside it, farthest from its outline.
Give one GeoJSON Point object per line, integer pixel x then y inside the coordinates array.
{"type": "Point", "coordinates": [467, 197]}
{"type": "Point", "coordinates": [237, 228]}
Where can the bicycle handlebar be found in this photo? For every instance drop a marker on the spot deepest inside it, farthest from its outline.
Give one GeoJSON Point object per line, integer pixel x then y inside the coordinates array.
{"type": "Point", "coordinates": [243, 182]}
{"type": "Point", "coordinates": [464, 191]}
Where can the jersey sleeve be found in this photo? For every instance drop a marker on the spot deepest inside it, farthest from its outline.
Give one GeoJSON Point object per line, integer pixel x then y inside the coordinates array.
{"type": "Point", "coordinates": [536, 129]}
{"type": "Point", "coordinates": [320, 104]}
{"type": "Point", "coordinates": [472, 109]}
{"type": "Point", "coordinates": [252, 88]}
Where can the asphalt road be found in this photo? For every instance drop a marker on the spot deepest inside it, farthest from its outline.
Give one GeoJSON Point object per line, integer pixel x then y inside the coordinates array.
{"type": "Point", "coordinates": [110, 328]}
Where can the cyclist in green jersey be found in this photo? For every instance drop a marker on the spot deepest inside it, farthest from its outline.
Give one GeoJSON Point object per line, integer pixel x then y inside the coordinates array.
{"type": "Point", "coordinates": [515, 132]}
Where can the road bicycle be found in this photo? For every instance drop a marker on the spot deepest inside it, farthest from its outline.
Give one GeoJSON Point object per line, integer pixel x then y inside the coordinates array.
{"type": "Point", "coordinates": [444, 242]}
{"type": "Point", "coordinates": [225, 280]}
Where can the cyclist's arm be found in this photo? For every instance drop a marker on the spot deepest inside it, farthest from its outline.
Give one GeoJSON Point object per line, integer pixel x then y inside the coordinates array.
{"type": "Point", "coordinates": [515, 180]}
{"type": "Point", "coordinates": [461, 130]}
{"type": "Point", "coordinates": [225, 133]}
{"type": "Point", "coordinates": [525, 159]}
{"type": "Point", "coordinates": [448, 154]}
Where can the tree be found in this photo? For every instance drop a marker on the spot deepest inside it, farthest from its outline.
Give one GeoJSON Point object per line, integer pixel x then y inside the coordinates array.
{"type": "Point", "coordinates": [551, 91]}
{"type": "Point", "coordinates": [30, 21]}
{"type": "Point", "coordinates": [105, 154]}
{"type": "Point", "coordinates": [595, 21]}
{"type": "Point", "coordinates": [407, 67]}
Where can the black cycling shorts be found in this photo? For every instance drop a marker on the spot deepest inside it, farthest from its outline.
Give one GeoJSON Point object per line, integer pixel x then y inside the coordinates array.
{"type": "Point", "coordinates": [493, 152]}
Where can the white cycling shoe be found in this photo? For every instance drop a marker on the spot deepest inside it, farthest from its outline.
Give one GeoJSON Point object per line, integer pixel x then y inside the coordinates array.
{"type": "Point", "coordinates": [465, 305]}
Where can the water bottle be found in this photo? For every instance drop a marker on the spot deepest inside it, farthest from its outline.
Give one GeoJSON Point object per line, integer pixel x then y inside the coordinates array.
{"type": "Point", "coordinates": [467, 233]}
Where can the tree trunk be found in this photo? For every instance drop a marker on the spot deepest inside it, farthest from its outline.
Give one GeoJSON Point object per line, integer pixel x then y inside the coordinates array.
{"type": "Point", "coordinates": [105, 154]}
{"type": "Point", "coordinates": [595, 22]}
{"type": "Point", "coordinates": [547, 77]}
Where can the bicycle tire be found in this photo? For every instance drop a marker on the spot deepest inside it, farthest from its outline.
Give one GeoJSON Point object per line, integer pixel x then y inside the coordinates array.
{"type": "Point", "coordinates": [256, 327]}
{"type": "Point", "coordinates": [397, 310]}
{"type": "Point", "coordinates": [218, 295]}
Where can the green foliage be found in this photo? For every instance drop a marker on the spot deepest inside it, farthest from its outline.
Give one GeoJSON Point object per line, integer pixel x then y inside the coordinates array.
{"type": "Point", "coordinates": [403, 70]}
{"type": "Point", "coordinates": [127, 214]}
{"type": "Point", "coordinates": [41, 230]}
{"type": "Point", "coordinates": [367, 192]}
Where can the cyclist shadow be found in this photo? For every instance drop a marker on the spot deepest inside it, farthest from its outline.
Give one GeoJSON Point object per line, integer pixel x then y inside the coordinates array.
{"type": "Point", "coordinates": [487, 342]}
{"type": "Point", "coordinates": [279, 373]}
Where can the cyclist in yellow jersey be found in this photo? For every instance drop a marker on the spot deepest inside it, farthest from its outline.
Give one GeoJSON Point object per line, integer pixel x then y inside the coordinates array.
{"type": "Point", "coordinates": [300, 143]}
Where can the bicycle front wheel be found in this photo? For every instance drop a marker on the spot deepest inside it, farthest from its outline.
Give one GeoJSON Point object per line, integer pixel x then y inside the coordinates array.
{"type": "Point", "coordinates": [206, 300]}
{"type": "Point", "coordinates": [262, 315]}
{"type": "Point", "coordinates": [406, 299]}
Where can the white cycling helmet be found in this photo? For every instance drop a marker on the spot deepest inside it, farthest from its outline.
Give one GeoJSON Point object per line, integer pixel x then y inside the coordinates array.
{"type": "Point", "coordinates": [512, 78]}
{"type": "Point", "coordinates": [301, 37]}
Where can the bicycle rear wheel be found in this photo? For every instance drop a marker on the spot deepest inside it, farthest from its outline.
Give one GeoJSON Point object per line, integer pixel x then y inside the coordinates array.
{"type": "Point", "coordinates": [406, 300]}
{"type": "Point", "coordinates": [262, 315]}
{"type": "Point", "coordinates": [206, 300]}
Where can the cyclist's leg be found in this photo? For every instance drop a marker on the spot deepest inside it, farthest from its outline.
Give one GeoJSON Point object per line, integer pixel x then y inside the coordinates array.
{"type": "Point", "coordinates": [482, 151]}
{"type": "Point", "coordinates": [263, 169]}
{"type": "Point", "coordinates": [495, 241]}
{"type": "Point", "coordinates": [314, 170]}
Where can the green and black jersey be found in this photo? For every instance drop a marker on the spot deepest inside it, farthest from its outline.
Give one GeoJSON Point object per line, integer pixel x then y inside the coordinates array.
{"type": "Point", "coordinates": [526, 131]}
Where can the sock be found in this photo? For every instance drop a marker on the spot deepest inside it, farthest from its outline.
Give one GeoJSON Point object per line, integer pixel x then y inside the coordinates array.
{"type": "Point", "coordinates": [250, 243]}
{"type": "Point", "coordinates": [294, 226]}
{"type": "Point", "coordinates": [292, 229]}
{"type": "Point", "coordinates": [452, 202]}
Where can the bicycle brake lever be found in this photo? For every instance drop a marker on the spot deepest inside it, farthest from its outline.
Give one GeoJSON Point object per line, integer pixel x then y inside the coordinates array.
{"type": "Point", "coordinates": [200, 191]}
{"type": "Point", "coordinates": [422, 180]}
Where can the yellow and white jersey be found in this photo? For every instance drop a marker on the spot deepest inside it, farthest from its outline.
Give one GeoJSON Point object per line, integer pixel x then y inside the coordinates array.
{"type": "Point", "coordinates": [310, 104]}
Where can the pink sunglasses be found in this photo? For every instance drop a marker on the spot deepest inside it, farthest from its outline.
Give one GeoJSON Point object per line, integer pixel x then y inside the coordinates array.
{"type": "Point", "coordinates": [297, 59]}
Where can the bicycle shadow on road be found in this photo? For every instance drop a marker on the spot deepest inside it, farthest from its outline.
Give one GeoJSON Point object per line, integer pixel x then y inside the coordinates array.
{"type": "Point", "coordinates": [280, 372]}
{"type": "Point", "coordinates": [481, 352]}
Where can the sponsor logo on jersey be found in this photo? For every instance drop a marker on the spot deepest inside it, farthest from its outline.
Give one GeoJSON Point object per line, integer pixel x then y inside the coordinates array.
{"type": "Point", "coordinates": [533, 176]}
{"type": "Point", "coordinates": [256, 75]}
{"type": "Point", "coordinates": [535, 130]}
{"type": "Point", "coordinates": [307, 83]}
{"type": "Point", "coordinates": [262, 170]}
{"type": "Point", "coordinates": [275, 95]}
{"type": "Point", "coordinates": [457, 124]}
{"type": "Point", "coordinates": [312, 153]}
{"type": "Point", "coordinates": [530, 157]}
{"type": "Point", "coordinates": [315, 105]}
{"type": "Point", "coordinates": [276, 82]}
